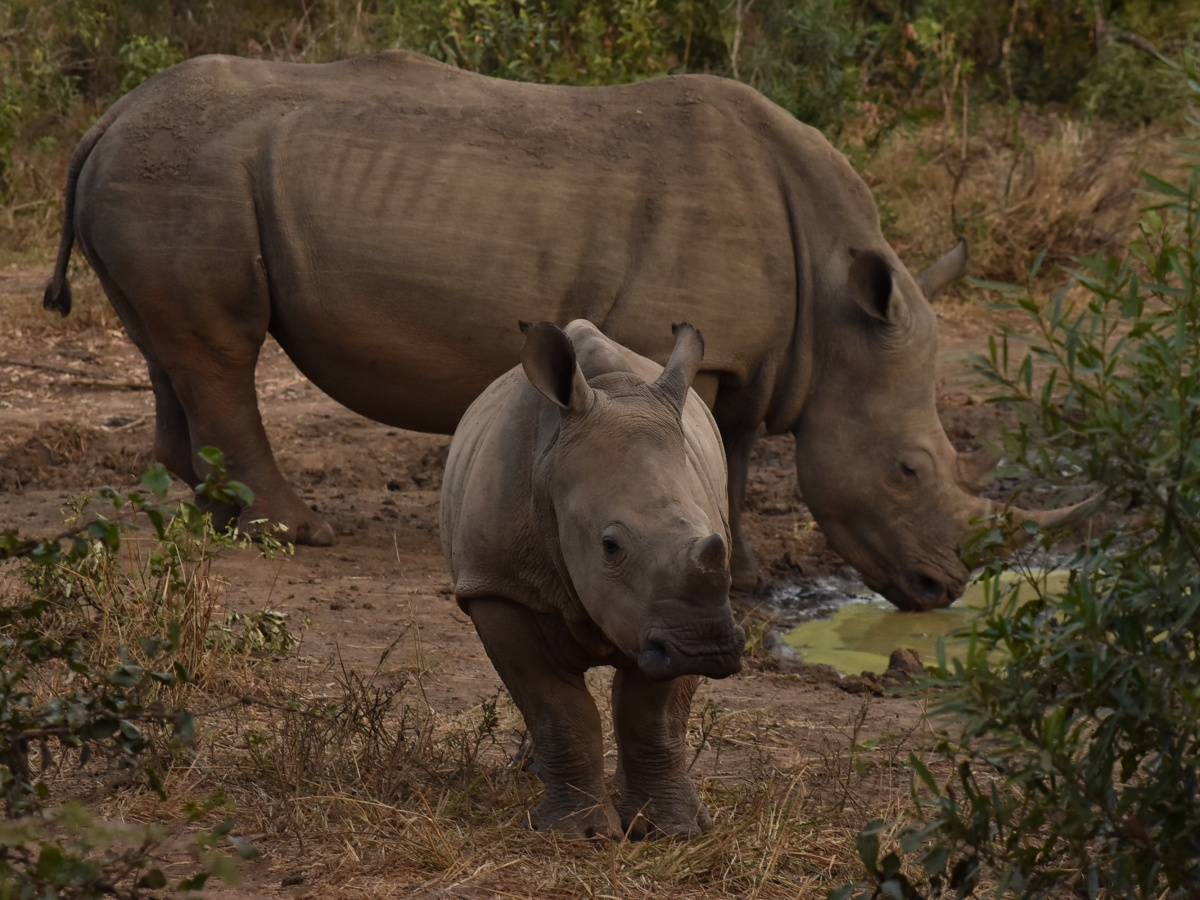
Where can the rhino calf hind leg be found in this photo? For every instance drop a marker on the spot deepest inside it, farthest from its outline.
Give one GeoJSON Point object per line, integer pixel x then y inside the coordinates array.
{"type": "Point", "coordinates": [531, 652]}
{"type": "Point", "coordinates": [650, 718]}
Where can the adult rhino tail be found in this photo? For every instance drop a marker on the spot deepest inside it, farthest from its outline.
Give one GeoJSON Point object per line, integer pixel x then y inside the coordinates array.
{"type": "Point", "coordinates": [58, 291]}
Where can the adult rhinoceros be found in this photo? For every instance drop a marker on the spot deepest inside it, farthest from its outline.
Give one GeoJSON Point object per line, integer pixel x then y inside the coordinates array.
{"type": "Point", "coordinates": [388, 218]}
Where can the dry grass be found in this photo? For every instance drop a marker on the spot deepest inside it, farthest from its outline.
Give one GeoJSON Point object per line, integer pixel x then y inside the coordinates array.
{"type": "Point", "coordinates": [1015, 187]}
{"type": "Point", "coordinates": [362, 790]}
{"type": "Point", "coordinates": [354, 784]}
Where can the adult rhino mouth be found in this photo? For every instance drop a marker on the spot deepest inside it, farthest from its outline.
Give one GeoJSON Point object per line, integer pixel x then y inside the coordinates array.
{"type": "Point", "coordinates": [922, 591]}
{"type": "Point", "coordinates": [664, 655]}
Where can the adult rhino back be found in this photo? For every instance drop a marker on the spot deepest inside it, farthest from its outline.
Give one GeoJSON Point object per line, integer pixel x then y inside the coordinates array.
{"type": "Point", "coordinates": [388, 218]}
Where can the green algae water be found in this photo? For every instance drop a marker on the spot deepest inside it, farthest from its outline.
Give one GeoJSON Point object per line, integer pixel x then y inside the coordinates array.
{"type": "Point", "coordinates": [862, 632]}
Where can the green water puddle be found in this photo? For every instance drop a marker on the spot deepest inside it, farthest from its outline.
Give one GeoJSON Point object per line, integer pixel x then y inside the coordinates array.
{"type": "Point", "coordinates": [862, 632]}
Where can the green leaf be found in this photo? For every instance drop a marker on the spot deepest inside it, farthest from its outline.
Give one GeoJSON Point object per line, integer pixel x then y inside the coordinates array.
{"type": "Point", "coordinates": [157, 480]}
{"type": "Point", "coordinates": [1163, 187]}
{"type": "Point", "coordinates": [153, 880]}
{"type": "Point", "coordinates": [867, 843]}
{"type": "Point", "coordinates": [195, 883]}
{"type": "Point", "coordinates": [243, 847]}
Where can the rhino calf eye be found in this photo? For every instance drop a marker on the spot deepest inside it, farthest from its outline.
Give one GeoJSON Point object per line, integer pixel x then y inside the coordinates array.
{"type": "Point", "coordinates": [908, 470]}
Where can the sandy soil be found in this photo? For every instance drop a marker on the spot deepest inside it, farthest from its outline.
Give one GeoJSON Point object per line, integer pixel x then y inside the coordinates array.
{"type": "Point", "coordinates": [76, 413]}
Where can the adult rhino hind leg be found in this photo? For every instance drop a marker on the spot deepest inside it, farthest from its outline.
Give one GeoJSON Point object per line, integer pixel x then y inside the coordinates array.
{"type": "Point", "coordinates": [201, 343]}
{"type": "Point", "coordinates": [532, 654]}
{"type": "Point", "coordinates": [650, 719]}
{"type": "Point", "coordinates": [172, 439]}
{"type": "Point", "coordinates": [216, 389]}
{"type": "Point", "coordinates": [743, 566]}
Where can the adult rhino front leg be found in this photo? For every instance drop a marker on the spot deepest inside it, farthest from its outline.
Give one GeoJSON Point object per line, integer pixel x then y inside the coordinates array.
{"type": "Point", "coordinates": [533, 655]}
{"type": "Point", "coordinates": [650, 718]}
{"type": "Point", "coordinates": [743, 566]}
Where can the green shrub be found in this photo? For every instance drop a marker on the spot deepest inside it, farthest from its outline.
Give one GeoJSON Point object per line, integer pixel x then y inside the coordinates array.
{"type": "Point", "coordinates": [1072, 727]}
{"type": "Point", "coordinates": [804, 60]}
{"type": "Point", "coordinates": [98, 656]}
{"type": "Point", "coordinates": [1128, 86]}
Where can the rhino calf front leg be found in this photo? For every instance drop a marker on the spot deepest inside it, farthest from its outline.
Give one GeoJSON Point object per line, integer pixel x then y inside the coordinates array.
{"type": "Point", "coordinates": [533, 655]}
{"type": "Point", "coordinates": [650, 718]}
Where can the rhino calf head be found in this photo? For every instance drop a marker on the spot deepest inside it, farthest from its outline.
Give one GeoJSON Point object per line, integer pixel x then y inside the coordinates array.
{"type": "Point", "coordinates": [648, 561]}
{"type": "Point", "coordinates": [585, 520]}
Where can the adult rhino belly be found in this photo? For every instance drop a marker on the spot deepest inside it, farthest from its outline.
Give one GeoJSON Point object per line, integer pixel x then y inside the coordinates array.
{"type": "Point", "coordinates": [403, 373]}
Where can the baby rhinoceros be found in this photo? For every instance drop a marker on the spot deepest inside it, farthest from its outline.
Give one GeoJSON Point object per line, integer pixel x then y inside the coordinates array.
{"type": "Point", "coordinates": [584, 518]}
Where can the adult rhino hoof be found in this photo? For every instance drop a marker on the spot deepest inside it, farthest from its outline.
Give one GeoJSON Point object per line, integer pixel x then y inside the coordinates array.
{"type": "Point", "coordinates": [309, 533]}
{"type": "Point", "coordinates": [745, 576]}
{"type": "Point", "coordinates": [318, 534]}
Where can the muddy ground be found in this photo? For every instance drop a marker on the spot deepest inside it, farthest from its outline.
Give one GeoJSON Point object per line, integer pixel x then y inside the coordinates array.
{"type": "Point", "coordinates": [76, 413]}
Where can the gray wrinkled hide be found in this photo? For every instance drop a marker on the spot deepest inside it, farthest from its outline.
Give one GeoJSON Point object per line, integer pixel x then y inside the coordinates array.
{"type": "Point", "coordinates": [388, 218]}
{"type": "Point", "coordinates": [536, 495]}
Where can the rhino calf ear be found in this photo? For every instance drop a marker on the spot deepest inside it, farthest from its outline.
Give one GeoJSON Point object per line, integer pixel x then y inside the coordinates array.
{"type": "Point", "coordinates": [871, 284]}
{"type": "Point", "coordinates": [680, 371]}
{"type": "Point", "coordinates": [548, 358]}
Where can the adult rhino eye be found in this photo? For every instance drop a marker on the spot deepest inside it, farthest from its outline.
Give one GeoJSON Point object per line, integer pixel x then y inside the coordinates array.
{"type": "Point", "coordinates": [611, 548]}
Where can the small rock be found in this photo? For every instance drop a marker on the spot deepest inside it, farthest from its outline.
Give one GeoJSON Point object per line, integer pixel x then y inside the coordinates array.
{"type": "Point", "coordinates": [781, 651]}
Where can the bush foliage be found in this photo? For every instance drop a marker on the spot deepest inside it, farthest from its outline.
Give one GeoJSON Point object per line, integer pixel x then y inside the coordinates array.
{"type": "Point", "coordinates": [62, 62]}
{"type": "Point", "coordinates": [98, 658]}
{"type": "Point", "coordinates": [1072, 726]}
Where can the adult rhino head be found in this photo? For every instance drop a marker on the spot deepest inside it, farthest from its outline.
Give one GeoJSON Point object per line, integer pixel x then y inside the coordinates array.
{"type": "Point", "coordinates": [875, 466]}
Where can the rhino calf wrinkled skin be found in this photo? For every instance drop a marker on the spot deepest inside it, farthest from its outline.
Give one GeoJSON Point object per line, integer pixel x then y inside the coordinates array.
{"type": "Point", "coordinates": [585, 521]}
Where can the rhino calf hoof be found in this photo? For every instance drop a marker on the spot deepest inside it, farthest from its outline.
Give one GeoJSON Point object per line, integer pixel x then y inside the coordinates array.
{"type": "Point", "coordinates": [641, 828]}
{"type": "Point", "coordinates": [593, 823]}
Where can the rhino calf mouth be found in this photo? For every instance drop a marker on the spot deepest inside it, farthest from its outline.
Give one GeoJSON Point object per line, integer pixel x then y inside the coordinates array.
{"type": "Point", "coordinates": [662, 659]}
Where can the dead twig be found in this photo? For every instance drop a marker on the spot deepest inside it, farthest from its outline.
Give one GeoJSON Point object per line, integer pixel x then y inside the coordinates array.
{"type": "Point", "coordinates": [80, 378]}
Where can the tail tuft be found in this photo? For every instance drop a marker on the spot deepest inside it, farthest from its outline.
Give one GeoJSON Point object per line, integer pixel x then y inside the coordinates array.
{"type": "Point", "coordinates": [58, 296]}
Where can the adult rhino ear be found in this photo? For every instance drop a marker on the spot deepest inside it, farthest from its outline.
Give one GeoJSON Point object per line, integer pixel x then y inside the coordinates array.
{"type": "Point", "coordinates": [548, 358]}
{"type": "Point", "coordinates": [871, 284]}
{"type": "Point", "coordinates": [681, 368]}
{"type": "Point", "coordinates": [934, 279]}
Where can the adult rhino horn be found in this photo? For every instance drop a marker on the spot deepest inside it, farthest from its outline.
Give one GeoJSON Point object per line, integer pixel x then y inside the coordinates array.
{"type": "Point", "coordinates": [1052, 519]}
{"type": "Point", "coordinates": [974, 467]}
{"type": "Point", "coordinates": [683, 365]}
{"type": "Point", "coordinates": [934, 279]}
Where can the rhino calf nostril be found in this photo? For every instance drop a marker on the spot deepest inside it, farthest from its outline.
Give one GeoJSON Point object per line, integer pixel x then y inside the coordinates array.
{"type": "Point", "coordinates": [654, 659]}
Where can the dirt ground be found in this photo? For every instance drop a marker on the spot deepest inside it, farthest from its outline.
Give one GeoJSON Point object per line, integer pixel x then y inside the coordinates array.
{"type": "Point", "coordinates": [76, 413]}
